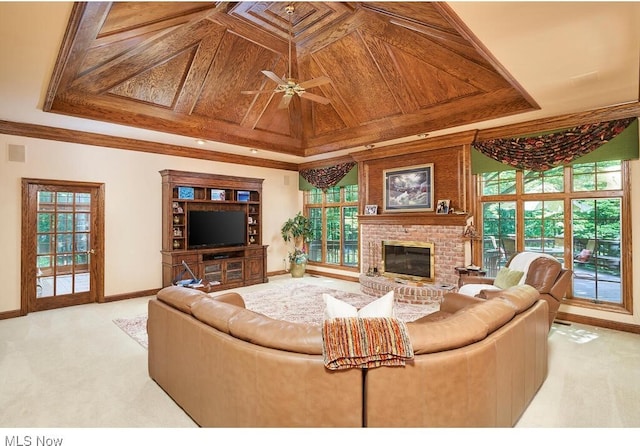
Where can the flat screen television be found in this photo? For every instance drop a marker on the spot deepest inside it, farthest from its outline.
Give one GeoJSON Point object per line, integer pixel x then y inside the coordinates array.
{"type": "Point", "coordinates": [214, 229]}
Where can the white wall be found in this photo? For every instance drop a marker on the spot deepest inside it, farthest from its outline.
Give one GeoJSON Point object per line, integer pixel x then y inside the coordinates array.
{"type": "Point", "coordinates": [133, 199]}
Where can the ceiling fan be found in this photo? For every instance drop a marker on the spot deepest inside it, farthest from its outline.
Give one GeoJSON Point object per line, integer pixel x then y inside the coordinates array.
{"type": "Point", "coordinates": [290, 86]}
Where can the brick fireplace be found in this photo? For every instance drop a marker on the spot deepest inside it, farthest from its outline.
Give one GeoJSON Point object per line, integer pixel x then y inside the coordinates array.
{"type": "Point", "coordinates": [449, 252]}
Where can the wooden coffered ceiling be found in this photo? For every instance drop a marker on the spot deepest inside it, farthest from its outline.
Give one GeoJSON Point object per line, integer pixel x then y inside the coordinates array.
{"type": "Point", "coordinates": [397, 69]}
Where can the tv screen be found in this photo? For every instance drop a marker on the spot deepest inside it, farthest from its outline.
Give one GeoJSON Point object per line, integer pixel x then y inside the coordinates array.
{"type": "Point", "coordinates": [213, 229]}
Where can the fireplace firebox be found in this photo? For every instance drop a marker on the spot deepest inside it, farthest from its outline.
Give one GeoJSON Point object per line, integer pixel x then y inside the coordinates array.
{"type": "Point", "coordinates": [408, 260]}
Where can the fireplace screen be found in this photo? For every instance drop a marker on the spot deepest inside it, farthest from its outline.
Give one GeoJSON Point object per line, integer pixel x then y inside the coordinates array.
{"type": "Point", "coordinates": [408, 260]}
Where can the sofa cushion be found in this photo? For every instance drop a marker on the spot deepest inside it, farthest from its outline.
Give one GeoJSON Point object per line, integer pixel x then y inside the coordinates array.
{"type": "Point", "coordinates": [281, 335]}
{"type": "Point", "coordinates": [470, 324]}
{"type": "Point", "coordinates": [494, 313]}
{"type": "Point", "coordinates": [181, 298]}
{"type": "Point", "coordinates": [230, 298]}
{"type": "Point", "coordinates": [381, 307]}
{"type": "Point", "coordinates": [520, 297]}
{"type": "Point", "coordinates": [456, 331]}
{"type": "Point", "coordinates": [435, 316]}
{"type": "Point", "coordinates": [215, 313]}
{"type": "Point", "coordinates": [507, 278]}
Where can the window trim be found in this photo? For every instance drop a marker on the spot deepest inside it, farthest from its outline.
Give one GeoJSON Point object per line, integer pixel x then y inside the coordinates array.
{"type": "Point", "coordinates": [519, 197]}
{"type": "Point", "coordinates": [323, 205]}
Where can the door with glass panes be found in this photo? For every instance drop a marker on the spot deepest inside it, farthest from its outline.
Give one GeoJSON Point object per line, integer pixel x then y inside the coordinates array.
{"type": "Point", "coordinates": [62, 241]}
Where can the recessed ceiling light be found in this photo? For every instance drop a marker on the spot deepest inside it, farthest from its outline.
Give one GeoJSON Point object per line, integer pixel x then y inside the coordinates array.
{"type": "Point", "coordinates": [254, 150]}
{"type": "Point", "coordinates": [369, 146]}
{"type": "Point", "coordinates": [201, 142]}
{"type": "Point", "coordinates": [422, 135]}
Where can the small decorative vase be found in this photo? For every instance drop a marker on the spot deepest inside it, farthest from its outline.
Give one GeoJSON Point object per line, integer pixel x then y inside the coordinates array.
{"type": "Point", "coordinates": [297, 269]}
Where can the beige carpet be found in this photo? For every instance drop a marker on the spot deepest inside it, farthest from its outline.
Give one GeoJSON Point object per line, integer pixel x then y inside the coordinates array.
{"type": "Point", "coordinates": [136, 327]}
{"type": "Point", "coordinates": [303, 303]}
{"type": "Point", "coordinates": [292, 302]}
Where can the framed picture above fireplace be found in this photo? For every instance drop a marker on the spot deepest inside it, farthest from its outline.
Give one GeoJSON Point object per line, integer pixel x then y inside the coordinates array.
{"type": "Point", "coordinates": [408, 189]}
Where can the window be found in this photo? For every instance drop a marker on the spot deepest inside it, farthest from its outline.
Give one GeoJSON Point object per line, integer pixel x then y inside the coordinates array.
{"type": "Point", "coordinates": [334, 223]}
{"type": "Point", "coordinates": [574, 213]}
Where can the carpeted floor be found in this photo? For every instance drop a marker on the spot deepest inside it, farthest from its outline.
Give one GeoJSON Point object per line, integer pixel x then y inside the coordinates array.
{"type": "Point", "coordinates": [303, 303]}
{"type": "Point", "coordinates": [295, 302]}
{"type": "Point", "coordinates": [136, 327]}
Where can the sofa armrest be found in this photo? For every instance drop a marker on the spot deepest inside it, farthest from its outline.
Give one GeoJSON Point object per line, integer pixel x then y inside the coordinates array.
{"type": "Point", "coordinates": [559, 289]}
{"type": "Point", "coordinates": [453, 302]}
{"type": "Point", "coordinates": [230, 298]}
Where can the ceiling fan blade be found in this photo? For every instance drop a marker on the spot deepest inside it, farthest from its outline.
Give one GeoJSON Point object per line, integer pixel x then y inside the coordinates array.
{"type": "Point", "coordinates": [315, 82]}
{"type": "Point", "coordinates": [256, 91]}
{"type": "Point", "coordinates": [314, 97]}
{"type": "Point", "coordinates": [274, 77]}
{"type": "Point", "coordinates": [284, 103]}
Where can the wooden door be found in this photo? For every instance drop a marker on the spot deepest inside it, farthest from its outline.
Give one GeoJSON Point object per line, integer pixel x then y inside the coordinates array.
{"type": "Point", "coordinates": [62, 244]}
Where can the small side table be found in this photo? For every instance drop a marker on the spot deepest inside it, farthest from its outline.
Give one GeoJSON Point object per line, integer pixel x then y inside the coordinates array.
{"type": "Point", "coordinates": [463, 271]}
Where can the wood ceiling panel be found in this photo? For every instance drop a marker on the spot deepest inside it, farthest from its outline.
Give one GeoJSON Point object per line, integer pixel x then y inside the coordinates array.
{"type": "Point", "coordinates": [429, 85]}
{"type": "Point", "coordinates": [158, 85]}
{"type": "Point", "coordinates": [355, 76]}
{"type": "Point", "coordinates": [231, 72]}
{"type": "Point", "coordinates": [124, 16]}
{"type": "Point", "coordinates": [396, 69]}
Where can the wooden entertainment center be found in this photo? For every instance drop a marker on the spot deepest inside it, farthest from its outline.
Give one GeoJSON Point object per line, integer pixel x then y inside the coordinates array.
{"type": "Point", "coordinates": [218, 267]}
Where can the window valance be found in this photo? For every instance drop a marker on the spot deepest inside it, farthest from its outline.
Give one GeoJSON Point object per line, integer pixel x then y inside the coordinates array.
{"type": "Point", "coordinates": [543, 152]}
{"type": "Point", "coordinates": [325, 177]}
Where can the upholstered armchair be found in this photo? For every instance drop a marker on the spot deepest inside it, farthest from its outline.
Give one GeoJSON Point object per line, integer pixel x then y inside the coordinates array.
{"type": "Point", "coordinates": [541, 271]}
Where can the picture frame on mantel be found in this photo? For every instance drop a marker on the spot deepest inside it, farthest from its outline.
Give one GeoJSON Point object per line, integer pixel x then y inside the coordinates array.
{"type": "Point", "coordinates": [443, 206]}
{"type": "Point", "coordinates": [408, 189]}
{"type": "Point", "coordinates": [370, 209]}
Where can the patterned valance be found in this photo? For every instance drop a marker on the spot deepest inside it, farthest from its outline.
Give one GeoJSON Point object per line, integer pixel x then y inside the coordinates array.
{"type": "Point", "coordinates": [544, 152]}
{"type": "Point", "coordinates": [326, 177]}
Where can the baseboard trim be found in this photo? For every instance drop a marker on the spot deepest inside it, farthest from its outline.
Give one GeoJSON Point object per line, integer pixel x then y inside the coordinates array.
{"type": "Point", "coordinates": [312, 272]}
{"type": "Point", "coordinates": [125, 296]}
{"type": "Point", "coordinates": [11, 314]}
{"type": "Point", "coordinates": [602, 323]}
{"type": "Point", "coordinates": [277, 273]}
{"type": "Point", "coordinates": [106, 299]}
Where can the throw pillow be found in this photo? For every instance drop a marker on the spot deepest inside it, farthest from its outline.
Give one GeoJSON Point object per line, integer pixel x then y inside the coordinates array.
{"type": "Point", "coordinates": [381, 307]}
{"type": "Point", "coordinates": [506, 278]}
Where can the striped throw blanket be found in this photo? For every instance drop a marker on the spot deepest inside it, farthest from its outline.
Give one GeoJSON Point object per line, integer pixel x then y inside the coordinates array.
{"type": "Point", "coordinates": [365, 343]}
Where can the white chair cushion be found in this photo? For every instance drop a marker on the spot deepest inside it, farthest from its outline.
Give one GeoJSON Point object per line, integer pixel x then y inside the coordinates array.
{"type": "Point", "coordinates": [471, 289]}
{"type": "Point", "coordinates": [520, 262]}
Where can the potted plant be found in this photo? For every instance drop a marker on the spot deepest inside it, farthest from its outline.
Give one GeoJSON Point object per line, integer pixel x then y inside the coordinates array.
{"type": "Point", "coordinates": [298, 230]}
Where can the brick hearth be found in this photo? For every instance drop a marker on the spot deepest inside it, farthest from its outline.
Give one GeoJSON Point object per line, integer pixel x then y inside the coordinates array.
{"type": "Point", "coordinates": [412, 294]}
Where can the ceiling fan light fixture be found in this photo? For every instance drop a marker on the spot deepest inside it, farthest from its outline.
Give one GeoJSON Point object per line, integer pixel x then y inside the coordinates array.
{"type": "Point", "coordinates": [290, 86]}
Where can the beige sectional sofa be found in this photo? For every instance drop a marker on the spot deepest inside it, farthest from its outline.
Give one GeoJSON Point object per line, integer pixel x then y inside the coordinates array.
{"type": "Point", "coordinates": [477, 363]}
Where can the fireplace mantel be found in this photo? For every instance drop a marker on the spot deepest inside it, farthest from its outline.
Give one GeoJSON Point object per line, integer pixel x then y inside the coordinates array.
{"type": "Point", "coordinates": [406, 218]}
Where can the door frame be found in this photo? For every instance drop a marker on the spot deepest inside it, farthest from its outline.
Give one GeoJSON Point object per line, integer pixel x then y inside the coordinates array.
{"type": "Point", "coordinates": [28, 270]}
